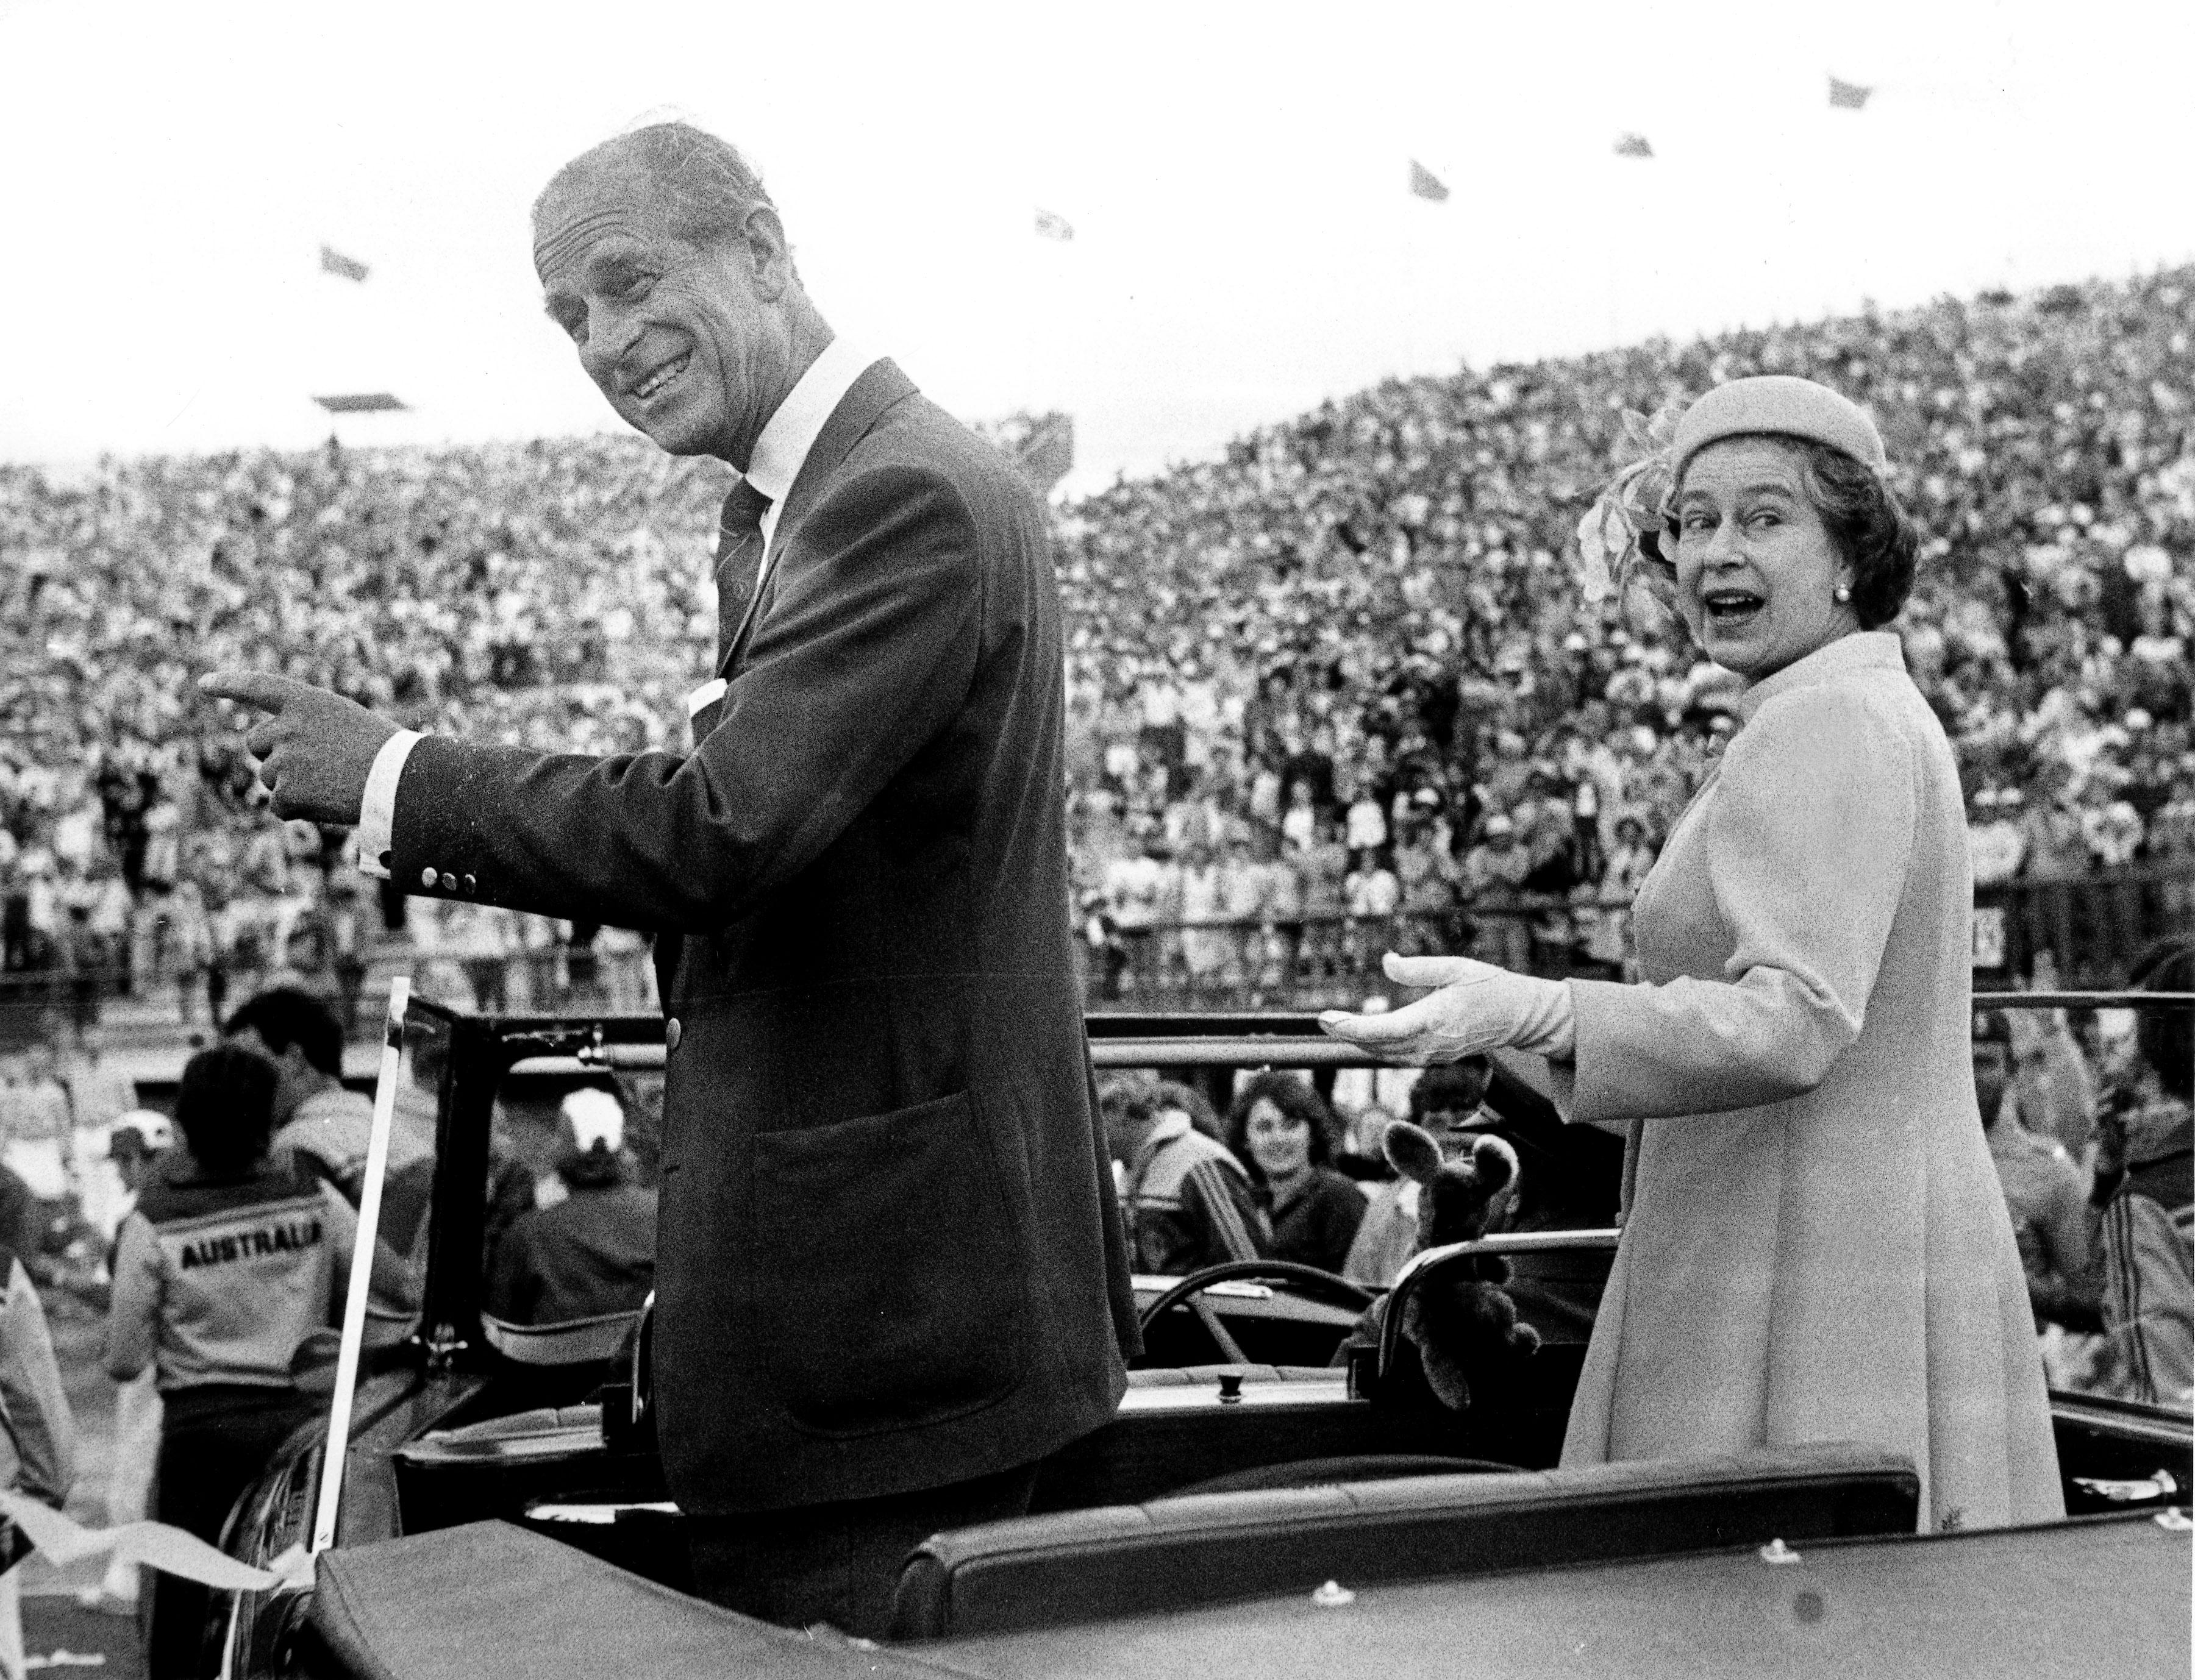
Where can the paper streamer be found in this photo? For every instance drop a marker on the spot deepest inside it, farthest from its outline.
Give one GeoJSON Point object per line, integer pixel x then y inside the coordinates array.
{"type": "Point", "coordinates": [156, 1546]}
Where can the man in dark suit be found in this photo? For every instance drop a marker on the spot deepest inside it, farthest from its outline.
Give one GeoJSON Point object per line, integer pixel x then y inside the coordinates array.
{"type": "Point", "coordinates": [891, 1273]}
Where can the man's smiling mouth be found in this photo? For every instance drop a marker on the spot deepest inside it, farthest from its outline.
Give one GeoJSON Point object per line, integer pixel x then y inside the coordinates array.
{"type": "Point", "coordinates": [647, 387]}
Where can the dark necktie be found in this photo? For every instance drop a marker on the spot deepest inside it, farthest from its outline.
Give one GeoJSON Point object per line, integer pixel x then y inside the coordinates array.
{"type": "Point", "coordinates": [739, 563]}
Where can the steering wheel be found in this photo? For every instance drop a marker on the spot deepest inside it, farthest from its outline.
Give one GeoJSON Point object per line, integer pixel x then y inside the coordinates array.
{"type": "Point", "coordinates": [1310, 1278]}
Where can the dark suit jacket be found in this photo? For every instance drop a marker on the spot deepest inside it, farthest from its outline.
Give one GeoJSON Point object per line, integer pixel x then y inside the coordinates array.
{"type": "Point", "coordinates": [890, 1256]}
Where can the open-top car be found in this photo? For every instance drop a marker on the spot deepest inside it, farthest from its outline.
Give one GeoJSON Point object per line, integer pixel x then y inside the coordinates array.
{"type": "Point", "coordinates": [1265, 1500]}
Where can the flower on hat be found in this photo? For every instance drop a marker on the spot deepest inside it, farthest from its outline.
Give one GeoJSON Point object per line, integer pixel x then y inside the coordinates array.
{"type": "Point", "coordinates": [1618, 537]}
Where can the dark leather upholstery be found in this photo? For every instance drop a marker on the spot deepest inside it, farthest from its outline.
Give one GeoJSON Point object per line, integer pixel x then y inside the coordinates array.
{"type": "Point", "coordinates": [1180, 1553]}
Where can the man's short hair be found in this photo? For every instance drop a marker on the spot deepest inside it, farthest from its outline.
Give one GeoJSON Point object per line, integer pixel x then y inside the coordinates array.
{"type": "Point", "coordinates": [709, 188]}
{"type": "Point", "coordinates": [284, 1017]}
{"type": "Point", "coordinates": [225, 1106]}
{"type": "Point", "coordinates": [1128, 1098]}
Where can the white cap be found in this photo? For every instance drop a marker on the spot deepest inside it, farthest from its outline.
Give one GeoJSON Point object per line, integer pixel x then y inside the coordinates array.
{"type": "Point", "coordinates": [595, 1117]}
{"type": "Point", "coordinates": [153, 1128]}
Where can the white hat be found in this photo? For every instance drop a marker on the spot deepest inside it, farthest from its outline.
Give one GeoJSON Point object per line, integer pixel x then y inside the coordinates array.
{"type": "Point", "coordinates": [154, 1130]}
{"type": "Point", "coordinates": [1780, 404]}
{"type": "Point", "coordinates": [595, 1117]}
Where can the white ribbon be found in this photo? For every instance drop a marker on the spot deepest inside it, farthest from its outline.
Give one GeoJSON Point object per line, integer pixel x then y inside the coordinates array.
{"type": "Point", "coordinates": [156, 1546]}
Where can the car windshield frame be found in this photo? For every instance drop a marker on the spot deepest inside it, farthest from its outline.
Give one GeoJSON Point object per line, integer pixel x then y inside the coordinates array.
{"type": "Point", "coordinates": [483, 1049]}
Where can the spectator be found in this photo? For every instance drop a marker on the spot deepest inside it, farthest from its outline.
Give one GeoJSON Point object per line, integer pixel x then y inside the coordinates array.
{"type": "Point", "coordinates": [1186, 1201]}
{"type": "Point", "coordinates": [134, 1147]}
{"type": "Point", "coordinates": [1282, 1131]}
{"type": "Point", "coordinates": [2043, 1190]}
{"type": "Point", "coordinates": [1493, 872]}
{"type": "Point", "coordinates": [37, 1128]}
{"type": "Point", "coordinates": [2053, 1084]}
{"type": "Point", "coordinates": [1386, 575]}
{"type": "Point", "coordinates": [99, 1092]}
{"type": "Point", "coordinates": [2143, 1200]}
{"type": "Point", "coordinates": [1446, 1101]}
{"type": "Point", "coordinates": [317, 1120]}
{"type": "Point", "coordinates": [591, 1250]}
{"type": "Point", "coordinates": [1204, 943]}
{"type": "Point", "coordinates": [1371, 890]}
{"type": "Point", "coordinates": [38, 1431]}
{"type": "Point", "coordinates": [228, 1261]}
{"type": "Point", "coordinates": [1300, 822]}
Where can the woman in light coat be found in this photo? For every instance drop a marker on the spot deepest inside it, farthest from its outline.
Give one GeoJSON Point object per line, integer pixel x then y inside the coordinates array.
{"type": "Point", "coordinates": [1815, 1247]}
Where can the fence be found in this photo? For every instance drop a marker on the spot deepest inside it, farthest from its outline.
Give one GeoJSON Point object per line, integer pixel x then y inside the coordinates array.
{"type": "Point", "coordinates": [2092, 925]}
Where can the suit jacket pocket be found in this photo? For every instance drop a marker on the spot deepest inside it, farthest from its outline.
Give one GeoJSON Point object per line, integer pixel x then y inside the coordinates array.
{"type": "Point", "coordinates": [888, 1281]}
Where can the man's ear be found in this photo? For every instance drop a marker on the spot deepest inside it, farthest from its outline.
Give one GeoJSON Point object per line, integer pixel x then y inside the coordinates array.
{"type": "Point", "coordinates": [1412, 1151]}
{"type": "Point", "coordinates": [769, 254]}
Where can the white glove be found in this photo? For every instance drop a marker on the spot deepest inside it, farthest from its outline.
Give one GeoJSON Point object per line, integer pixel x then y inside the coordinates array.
{"type": "Point", "coordinates": [1477, 1008]}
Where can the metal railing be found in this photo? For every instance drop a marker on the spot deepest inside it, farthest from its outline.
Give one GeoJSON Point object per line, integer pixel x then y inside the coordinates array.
{"type": "Point", "coordinates": [2090, 924]}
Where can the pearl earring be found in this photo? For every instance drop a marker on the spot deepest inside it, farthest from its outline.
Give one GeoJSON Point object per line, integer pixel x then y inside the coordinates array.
{"type": "Point", "coordinates": [1843, 593]}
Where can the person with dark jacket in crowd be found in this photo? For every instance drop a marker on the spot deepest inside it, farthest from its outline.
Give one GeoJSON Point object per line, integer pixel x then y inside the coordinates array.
{"type": "Point", "coordinates": [231, 1258]}
{"type": "Point", "coordinates": [1186, 1200]}
{"type": "Point", "coordinates": [591, 1250]}
{"type": "Point", "coordinates": [1283, 1132]}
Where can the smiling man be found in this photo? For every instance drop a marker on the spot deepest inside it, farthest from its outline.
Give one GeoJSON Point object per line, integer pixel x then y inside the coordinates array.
{"type": "Point", "coordinates": [890, 1274]}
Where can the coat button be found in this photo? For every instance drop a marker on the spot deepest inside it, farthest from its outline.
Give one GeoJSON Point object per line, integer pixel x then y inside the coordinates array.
{"type": "Point", "coordinates": [471, 884]}
{"type": "Point", "coordinates": [427, 876]}
{"type": "Point", "coordinates": [449, 882]}
{"type": "Point", "coordinates": [672, 1032]}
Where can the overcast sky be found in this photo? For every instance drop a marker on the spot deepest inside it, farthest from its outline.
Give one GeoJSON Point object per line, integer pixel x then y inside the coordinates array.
{"type": "Point", "coordinates": [1235, 175]}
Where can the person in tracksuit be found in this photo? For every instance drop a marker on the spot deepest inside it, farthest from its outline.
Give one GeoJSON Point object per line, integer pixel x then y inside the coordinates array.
{"type": "Point", "coordinates": [229, 1260]}
{"type": "Point", "coordinates": [1185, 1199]}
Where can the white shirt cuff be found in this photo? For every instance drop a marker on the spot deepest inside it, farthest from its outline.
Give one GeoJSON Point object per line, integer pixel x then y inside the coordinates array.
{"type": "Point", "coordinates": [377, 817]}
{"type": "Point", "coordinates": [706, 695]}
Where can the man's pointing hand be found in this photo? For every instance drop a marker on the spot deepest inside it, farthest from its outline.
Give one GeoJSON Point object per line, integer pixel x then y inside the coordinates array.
{"type": "Point", "coordinates": [315, 748]}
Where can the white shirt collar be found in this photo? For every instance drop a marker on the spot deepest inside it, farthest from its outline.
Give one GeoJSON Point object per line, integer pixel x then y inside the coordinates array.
{"type": "Point", "coordinates": [791, 433]}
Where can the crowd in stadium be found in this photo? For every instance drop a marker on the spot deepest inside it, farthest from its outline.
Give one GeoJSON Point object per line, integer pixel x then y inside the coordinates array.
{"type": "Point", "coordinates": [1345, 673]}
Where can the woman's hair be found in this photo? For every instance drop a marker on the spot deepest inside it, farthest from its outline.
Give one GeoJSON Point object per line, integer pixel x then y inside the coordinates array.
{"type": "Point", "coordinates": [1293, 1098]}
{"type": "Point", "coordinates": [226, 1107]}
{"type": "Point", "coordinates": [1866, 523]}
{"type": "Point", "coordinates": [2162, 1035]}
{"type": "Point", "coordinates": [1450, 1087]}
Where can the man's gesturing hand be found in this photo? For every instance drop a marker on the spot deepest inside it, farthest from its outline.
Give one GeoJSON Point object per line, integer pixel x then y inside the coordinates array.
{"type": "Point", "coordinates": [315, 748]}
{"type": "Point", "coordinates": [1477, 1008]}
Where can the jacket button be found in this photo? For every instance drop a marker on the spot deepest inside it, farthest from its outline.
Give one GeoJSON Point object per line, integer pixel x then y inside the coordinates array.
{"type": "Point", "coordinates": [672, 1032]}
{"type": "Point", "coordinates": [427, 876]}
{"type": "Point", "coordinates": [449, 882]}
{"type": "Point", "coordinates": [471, 884]}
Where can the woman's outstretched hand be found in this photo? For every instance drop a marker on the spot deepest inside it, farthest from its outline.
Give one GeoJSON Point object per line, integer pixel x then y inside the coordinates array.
{"type": "Point", "coordinates": [1477, 1008]}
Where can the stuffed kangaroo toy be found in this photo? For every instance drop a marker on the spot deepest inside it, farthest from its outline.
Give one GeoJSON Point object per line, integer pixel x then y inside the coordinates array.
{"type": "Point", "coordinates": [1463, 1321]}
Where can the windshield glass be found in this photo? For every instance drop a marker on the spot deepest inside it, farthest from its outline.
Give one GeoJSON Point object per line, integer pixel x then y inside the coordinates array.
{"type": "Point", "coordinates": [572, 1176]}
